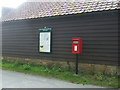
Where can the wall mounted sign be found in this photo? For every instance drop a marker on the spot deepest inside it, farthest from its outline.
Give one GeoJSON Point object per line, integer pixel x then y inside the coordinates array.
{"type": "Point", "coordinates": [45, 40]}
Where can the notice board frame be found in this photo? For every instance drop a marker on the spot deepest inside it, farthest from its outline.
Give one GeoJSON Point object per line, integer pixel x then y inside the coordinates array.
{"type": "Point", "coordinates": [45, 30]}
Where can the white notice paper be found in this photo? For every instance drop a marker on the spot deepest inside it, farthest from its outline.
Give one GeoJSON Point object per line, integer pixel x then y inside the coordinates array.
{"type": "Point", "coordinates": [75, 48]}
{"type": "Point", "coordinates": [45, 42]}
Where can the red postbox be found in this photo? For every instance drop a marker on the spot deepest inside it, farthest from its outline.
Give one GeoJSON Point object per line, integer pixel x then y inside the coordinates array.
{"type": "Point", "coordinates": [77, 45]}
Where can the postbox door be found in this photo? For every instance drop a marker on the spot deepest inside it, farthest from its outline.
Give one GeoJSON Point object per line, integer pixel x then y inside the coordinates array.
{"type": "Point", "coordinates": [76, 45]}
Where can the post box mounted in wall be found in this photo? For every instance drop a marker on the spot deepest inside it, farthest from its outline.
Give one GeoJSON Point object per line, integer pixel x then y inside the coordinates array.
{"type": "Point", "coordinates": [76, 49]}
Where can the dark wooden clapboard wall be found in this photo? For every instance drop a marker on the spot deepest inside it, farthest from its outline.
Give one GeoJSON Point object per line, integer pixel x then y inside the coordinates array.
{"type": "Point", "coordinates": [98, 29]}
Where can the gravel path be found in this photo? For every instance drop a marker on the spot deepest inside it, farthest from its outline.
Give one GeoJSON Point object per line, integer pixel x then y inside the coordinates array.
{"type": "Point", "coordinates": [11, 79]}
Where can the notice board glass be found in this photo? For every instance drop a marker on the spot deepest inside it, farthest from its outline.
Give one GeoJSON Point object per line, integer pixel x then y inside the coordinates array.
{"type": "Point", "coordinates": [45, 40]}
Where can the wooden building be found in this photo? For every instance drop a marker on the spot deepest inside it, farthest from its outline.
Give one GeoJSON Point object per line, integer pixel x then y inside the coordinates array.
{"type": "Point", "coordinates": [96, 22]}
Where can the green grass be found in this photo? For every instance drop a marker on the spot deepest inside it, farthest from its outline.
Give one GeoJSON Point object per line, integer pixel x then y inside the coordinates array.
{"type": "Point", "coordinates": [63, 73]}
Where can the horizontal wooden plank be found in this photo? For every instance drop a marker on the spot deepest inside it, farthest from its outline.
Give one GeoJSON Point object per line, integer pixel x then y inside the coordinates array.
{"type": "Point", "coordinates": [19, 29]}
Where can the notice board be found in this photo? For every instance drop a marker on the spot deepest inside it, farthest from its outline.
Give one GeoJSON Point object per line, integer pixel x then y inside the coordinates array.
{"type": "Point", "coordinates": [45, 40]}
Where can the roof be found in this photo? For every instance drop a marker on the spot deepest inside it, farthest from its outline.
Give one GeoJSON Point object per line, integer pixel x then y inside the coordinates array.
{"type": "Point", "coordinates": [30, 10]}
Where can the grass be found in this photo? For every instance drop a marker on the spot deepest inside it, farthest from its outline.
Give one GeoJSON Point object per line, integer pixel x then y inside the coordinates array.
{"type": "Point", "coordinates": [63, 73]}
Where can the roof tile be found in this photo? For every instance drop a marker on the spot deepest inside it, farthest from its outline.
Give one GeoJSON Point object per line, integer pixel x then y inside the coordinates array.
{"type": "Point", "coordinates": [45, 9]}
